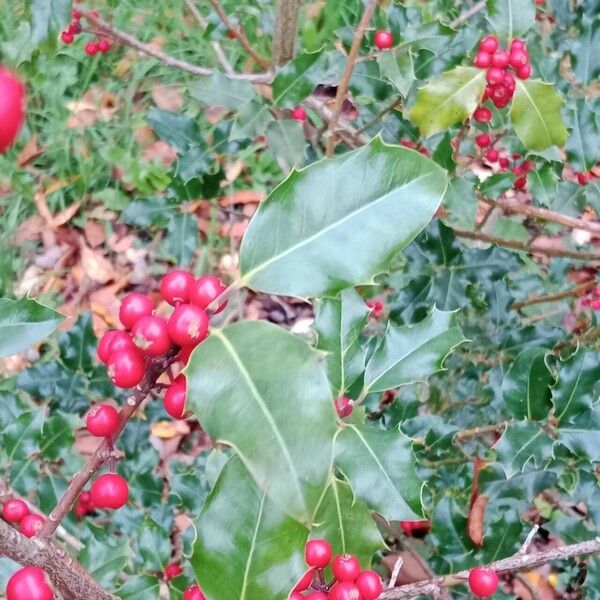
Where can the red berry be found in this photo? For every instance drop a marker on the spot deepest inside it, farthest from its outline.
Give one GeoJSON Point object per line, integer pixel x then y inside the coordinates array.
{"type": "Point", "coordinates": [173, 570]}
{"type": "Point", "coordinates": [516, 156]}
{"type": "Point", "coordinates": [74, 27]}
{"type": "Point", "coordinates": [185, 353]}
{"type": "Point", "coordinates": [527, 166]}
{"type": "Point", "coordinates": [133, 307]}
{"type": "Point", "coordinates": [31, 524]}
{"type": "Point", "coordinates": [408, 143]}
{"type": "Point", "coordinates": [500, 59]}
{"type": "Point", "coordinates": [483, 60]}
{"type": "Point", "coordinates": [318, 553]}
{"type": "Point", "coordinates": [12, 108]}
{"type": "Point", "coordinates": [102, 420]}
{"type": "Point", "coordinates": [175, 286]}
{"type": "Point", "coordinates": [188, 325]}
{"type": "Point", "coordinates": [482, 114]}
{"type": "Point", "coordinates": [518, 58]}
{"type": "Point", "coordinates": [81, 511]}
{"type": "Point", "coordinates": [175, 397]}
{"type": "Point", "coordinates": [14, 511]}
{"type": "Point", "coordinates": [67, 37]}
{"type": "Point", "coordinates": [343, 407]}
{"type": "Point", "coordinates": [509, 82]}
{"type": "Point", "coordinates": [76, 14]}
{"type": "Point", "coordinates": [369, 585]}
{"type": "Point", "coordinates": [483, 581]}
{"type": "Point", "coordinates": [85, 498]}
{"type": "Point", "coordinates": [193, 593]}
{"type": "Point", "coordinates": [344, 590]}
{"type": "Point", "coordinates": [504, 162]}
{"type": "Point", "coordinates": [595, 304]}
{"type": "Point", "coordinates": [126, 367]}
{"type": "Point", "coordinates": [492, 155]}
{"type": "Point", "coordinates": [494, 75]}
{"type": "Point", "coordinates": [483, 140]}
{"type": "Point", "coordinates": [317, 596]}
{"type": "Point", "coordinates": [539, 2]}
{"type": "Point", "coordinates": [110, 491]}
{"type": "Point", "coordinates": [383, 39]}
{"type": "Point", "coordinates": [517, 44]}
{"type": "Point", "coordinates": [29, 583]}
{"type": "Point", "coordinates": [520, 183]}
{"type": "Point", "coordinates": [91, 48]}
{"type": "Point", "coordinates": [120, 339]}
{"type": "Point", "coordinates": [304, 582]}
{"type": "Point", "coordinates": [206, 289]}
{"type": "Point", "coordinates": [582, 178]}
{"type": "Point", "coordinates": [524, 72]}
{"type": "Point", "coordinates": [151, 336]}
{"type": "Point", "coordinates": [299, 114]}
{"type": "Point", "coordinates": [295, 596]}
{"type": "Point", "coordinates": [345, 567]}
{"type": "Point", "coordinates": [231, 34]}
{"type": "Point", "coordinates": [104, 46]}
{"type": "Point", "coordinates": [489, 44]}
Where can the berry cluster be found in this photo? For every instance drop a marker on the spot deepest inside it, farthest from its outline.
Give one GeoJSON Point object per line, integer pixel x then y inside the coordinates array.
{"type": "Point", "coordinates": [29, 583]}
{"type": "Point", "coordinates": [349, 582]}
{"type": "Point", "coordinates": [68, 36]}
{"type": "Point", "coordinates": [500, 65]}
{"type": "Point", "coordinates": [17, 512]}
{"type": "Point", "coordinates": [592, 300]}
{"type": "Point", "coordinates": [84, 505]}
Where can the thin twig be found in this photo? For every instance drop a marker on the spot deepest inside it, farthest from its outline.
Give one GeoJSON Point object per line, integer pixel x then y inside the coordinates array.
{"type": "Point", "coordinates": [286, 31]}
{"type": "Point", "coordinates": [342, 89]}
{"type": "Point", "coordinates": [528, 540]}
{"type": "Point", "coordinates": [395, 573]}
{"type": "Point", "coordinates": [467, 434]}
{"type": "Point", "coordinates": [471, 12]}
{"type": "Point", "coordinates": [578, 290]}
{"type": "Point", "coordinates": [381, 113]}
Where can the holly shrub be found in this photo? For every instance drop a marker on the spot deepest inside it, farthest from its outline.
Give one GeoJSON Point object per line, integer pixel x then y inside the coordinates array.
{"type": "Point", "coordinates": [361, 360]}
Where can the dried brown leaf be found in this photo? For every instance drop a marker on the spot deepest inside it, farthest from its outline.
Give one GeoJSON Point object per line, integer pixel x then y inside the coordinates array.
{"type": "Point", "coordinates": [475, 525]}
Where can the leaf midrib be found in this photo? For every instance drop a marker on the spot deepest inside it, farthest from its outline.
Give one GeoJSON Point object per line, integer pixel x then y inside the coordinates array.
{"type": "Point", "coordinates": [252, 548]}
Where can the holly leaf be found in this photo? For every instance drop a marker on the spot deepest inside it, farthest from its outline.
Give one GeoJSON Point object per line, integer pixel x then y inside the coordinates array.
{"type": "Point", "coordinates": [339, 222]}
{"type": "Point", "coordinates": [397, 67]}
{"type": "Point", "coordinates": [583, 145]}
{"type": "Point", "coordinates": [449, 534]}
{"type": "Point", "coordinates": [580, 434]}
{"type": "Point", "coordinates": [220, 90]}
{"type": "Point", "coordinates": [510, 18]}
{"type": "Point", "coordinates": [535, 115]}
{"type": "Point", "coordinates": [139, 587]}
{"type": "Point", "coordinates": [380, 467]}
{"type": "Point", "coordinates": [243, 381]}
{"type": "Point", "coordinates": [251, 120]}
{"type": "Point", "coordinates": [346, 523]}
{"type": "Point", "coordinates": [78, 345]}
{"type": "Point", "coordinates": [48, 17]}
{"type": "Point", "coordinates": [338, 324]}
{"type": "Point", "coordinates": [461, 203]}
{"type": "Point", "coordinates": [177, 130]}
{"type": "Point", "coordinates": [24, 323]}
{"type": "Point", "coordinates": [526, 385]}
{"type": "Point", "coordinates": [286, 141]}
{"type": "Point", "coordinates": [154, 545]}
{"type": "Point", "coordinates": [22, 438]}
{"type": "Point", "coordinates": [448, 99]}
{"type": "Point", "coordinates": [542, 182]}
{"type": "Point", "coordinates": [584, 50]}
{"type": "Point", "coordinates": [104, 561]}
{"type": "Point", "coordinates": [182, 238]}
{"type": "Point", "coordinates": [259, 557]}
{"type": "Point", "coordinates": [412, 353]}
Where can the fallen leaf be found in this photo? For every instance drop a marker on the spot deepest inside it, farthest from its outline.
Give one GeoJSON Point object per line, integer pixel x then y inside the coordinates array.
{"type": "Point", "coordinates": [242, 197]}
{"type": "Point", "coordinates": [95, 233]}
{"type": "Point", "coordinates": [167, 97]}
{"type": "Point", "coordinates": [95, 266]}
{"type": "Point", "coordinates": [235, 231]}
{"type": "Point", "coordinates": [30, 151]}
{"type": "Point", "coordinates": [160, 151]}
{"type": "Point", "coordinates": [475, 519]}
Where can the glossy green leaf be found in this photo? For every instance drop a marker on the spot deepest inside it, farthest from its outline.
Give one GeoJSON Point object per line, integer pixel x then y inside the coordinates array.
{"type": "Point", "coordinates": [24, 323]}
{"type": "Point", "coordinates": [78, 345]}
{"type": "Point", "coordinates": [139, 587]}
{"type": "Point", "coordinates": [536, 117]}
{"type": "Point", "coordinates": [526, 385]}
{"type": "Point", "coordinates": [580, 434]}
{"type": "Point", "coordinates": [22, 438]}
{"type": "Point", "coordinates": [286, 141]}
{"type": "Point", "coordinates": [542, 182]}
{"type": "Point", "coordinates": [177, 130]}
{"type": "Point", "coordinates": [104, 562]}
{"type": "Point", "coordinates": [153, 545]}
{"type": "Point", "coordinates": [183, 238]}
{"type": "Point", "coordinates": [583, 145]}
{"type": "Point", "coordinates": [48, 17]}
{"type": "Point", "coordinates": [339, 222]}
{"type": "Point", "coordinates": [448, 99]}
{"type": "Point", "coordinates": [583, 49]}
{"type": "Point", "coordinates": [510, 18]}
{"type": "Point", "coordinates": [251, 120]}
{"type": "Point", "coordinates": [338, 324]}
{"type": "Point", "coordinates": [397, 67]}
{"type": "Point", "coordinates": [450, 536]}
{"type": "Point", "coordinates": [242, 383]}
{"type": "Point", "coordinates": [246, 547]}
{"type": "Point", "coordinates": [220, 90]}
{"type": "Point", "coordinates": [413, 353]}
{"type": "Point", "coordinates": [380, 467]}
{"type": "Point", "coordinates": [461, 203]}
{"type": "Point", "coordinates": [346, 522]}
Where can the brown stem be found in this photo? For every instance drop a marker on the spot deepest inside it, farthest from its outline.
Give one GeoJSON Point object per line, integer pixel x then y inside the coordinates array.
{"type": "Point", "coordinates": [471, 12]}
{"type": "Point", "coordinates": [526, 246]}
{"type": "Point", "coordinates": [467, 434]}
{"type": "Point", "coordinates": [286, 31]}
{"type": "Point", "coordinates": [153, 371]}
{"type": "Point", "coordinates": [263, 63]}
{"type": "Point", "coordinates": [578, 290]}
{"type": "Point", "coordinates": [381, 113]}
{"type": "Point", "coordinates": [342, 89]}
{"type": "Point", "coordinates": [103, 28]}
{"type": "Point", "coordinates": [513, 563]}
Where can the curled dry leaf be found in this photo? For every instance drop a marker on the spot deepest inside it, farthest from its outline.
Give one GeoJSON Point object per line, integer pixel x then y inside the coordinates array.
{"type": "Point", "coordinates": [475, 525]}
{"type": "Point", "coordinates": [30, 151]}
{"type": "Point", "coordinates": [167, 97]}
{"type": "Point", "coordinates": [95, 105]}
{"type": "Point", "coordinates": [95, 266]}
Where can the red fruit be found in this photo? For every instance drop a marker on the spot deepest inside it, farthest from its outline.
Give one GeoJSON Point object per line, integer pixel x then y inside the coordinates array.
{"type": "Point", "coordinates": [91, 48]}
{"type": "Point", "coordinates": [482, 114]}
{"type": "Point", "coordinates": [369, 585]}
{"type": "Point", "coordinates": [304, 582]}
{"type": "Point", "coordinates": [483, 140]}
{"type": "Point", "coordinates": [133, 307]}
{"type": "Point", "coordinates": [299, 114]}
{"type": "Point", "coordinates": [424, 151]}
{"type": "Point", "coordinates": [527, 166]}
{"type": "Point", "coordinates": [383, 39]}
{"type": "Point", "coordinates": [151, 336]}
{"type": "Point", "coordinates": [104, 45]}
{"type": "Point", "coordinates": [126, 367]}
{"type": "Point", "coordinates": [185, 353]}
{"type": "Point", "coordinates": [76, 14]}
{"type": "Point", "coordinates": [518, 58]}
{"type": "Point", "coordinates": [539, 2]}
{"type": "Point", "coordinates": [29, 583]}
{"type": "Point", "coordinates": [345, 567]}
{"type": "Point", "coordinates": [318, 553]}
{"type": "Point", "coordinates": [492, 155]}
{"type": "Point", "coordinates": [175, 396]}
{"type": "Point", "coordinates": [595, 304]}
{"type": "Point", "coordinates": [317, 596]}
{"type": "Point", "coordinates": [344, 590]}
{"type": "Point", "coordinates": [343, 407]}
{"type": "Point", "coordinates": [483, 581]}
{"type": "Point", "coordinates": [120, 339]}
{"type": "Point", "coordinates": [85, 498]}
{"type": "Point", "coordinates": [517, 44]}
{"type": "Point", "coordinates": [74, 27]}
{"type": "Point", "coordinates": [500, 59]}
{"type": "Point", "coordinates": [67, 37]}
{"type": "Point", "coordinates": [31, 524]}
{"type": "Point", "coordinates": [408, 144]}
{"type": "Point", "coordinates": [494, 75]}
{"type": "Point", "coordinates": [12, 108]}
{"type": "Point", "coordinates": [509, 82]}
{"type": "Point", "coordinates": [81, 511]}
{"type": "Point", "coordinates": [377, 307]}
{"type": "Point", "coordinates": [489, 44]}
{"type": "Point", "coordinates": [483, 60]}
{"type": "Point", "coordinates": [175, 286]}
{"type": "Point", "coordinates": [14, 511]}
{"type": "Point", "coordinates": [504, 162]}
{"type": "Point", "coordinates": [193, 593]}
{"type": "Point", "coordinates": [520, 183]}
{"type": "Point", "coordinates": [172, 571]}
{"type": "Point", "coordinates": [231, 34]}
{"type": "Point", "coordinates": [188, 325]}
{"type": "Point", "coordinates": [206, 289]}
{"type": "Point", "coordinates": [110, 491]}
{"type": "Point", "coordinates": [524, 72]}
{"type": "Point", "coordinates": [295, 596]}
{"type": "Point", "coordinates": [582, 178]}
{"type": "Point", "coordinates": [102, 420]}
